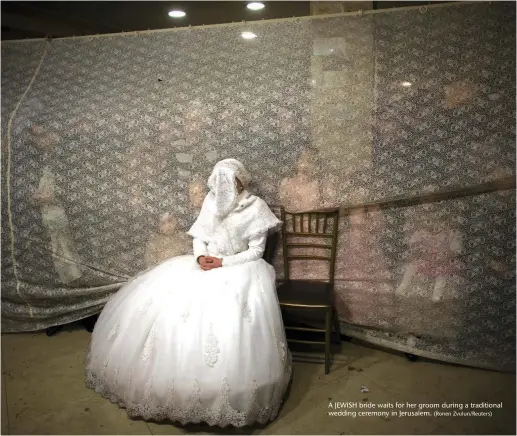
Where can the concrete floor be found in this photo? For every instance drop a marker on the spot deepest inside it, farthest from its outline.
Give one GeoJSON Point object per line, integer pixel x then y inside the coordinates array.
{"type": "Point", "coordinates": [43, 392]}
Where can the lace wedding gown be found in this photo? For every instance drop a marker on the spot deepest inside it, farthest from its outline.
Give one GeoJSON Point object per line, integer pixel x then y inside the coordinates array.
{"type": "Point", "coordinates": [191, 346]}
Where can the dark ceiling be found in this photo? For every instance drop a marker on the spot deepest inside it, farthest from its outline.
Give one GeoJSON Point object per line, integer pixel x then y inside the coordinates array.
{"type": "Point", "coordinates": [38, 19]}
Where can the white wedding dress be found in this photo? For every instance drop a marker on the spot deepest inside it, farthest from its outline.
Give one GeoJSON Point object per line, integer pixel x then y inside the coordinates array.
{"type": "Point", "coordinates": [190, 346]}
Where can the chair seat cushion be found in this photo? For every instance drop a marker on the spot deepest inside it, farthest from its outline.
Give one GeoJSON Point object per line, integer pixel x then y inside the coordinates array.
{"type": "Point", "coordinates": [305, 293]}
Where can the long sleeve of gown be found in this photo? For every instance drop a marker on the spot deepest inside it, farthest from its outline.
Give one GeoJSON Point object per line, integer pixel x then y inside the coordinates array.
{"type": "Point", "coordinates": [256, 247]}
{"type": "Point", "coordinates": [200, 248]}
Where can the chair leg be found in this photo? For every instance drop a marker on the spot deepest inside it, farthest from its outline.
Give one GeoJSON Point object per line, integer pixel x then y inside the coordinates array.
{"type": "Point", "coordinates": [336, 325]}
{"type": "Point", "coordinates": [328, 338]}
{"type": "Point", "coordinates": [51, 331]}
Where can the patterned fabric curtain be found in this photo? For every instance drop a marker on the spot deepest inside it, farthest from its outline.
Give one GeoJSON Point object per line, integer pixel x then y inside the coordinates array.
{"type": "Point", "coordinates": [107, 143]}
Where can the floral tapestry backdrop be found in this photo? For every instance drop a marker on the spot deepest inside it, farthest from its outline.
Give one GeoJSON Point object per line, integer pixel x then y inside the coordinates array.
{"type": "Point", "coordinates": [106, 158]}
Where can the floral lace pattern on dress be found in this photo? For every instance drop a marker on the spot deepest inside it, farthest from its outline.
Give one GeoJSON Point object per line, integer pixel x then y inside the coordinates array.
{"type": "Point", "coordinates": [246, 312]}
{"type": "Point", "coordinates": [211, 348]}
{"type": "Point", "coordinates": [222, 414]}
{"type": "Point", "coordinates": [149, 344]}
{"type": "Point", "coordinates": [113, 332]}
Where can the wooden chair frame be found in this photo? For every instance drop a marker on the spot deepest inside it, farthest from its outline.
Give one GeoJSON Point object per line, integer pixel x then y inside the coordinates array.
{"type": "Point", "coordinates": [323, 225]}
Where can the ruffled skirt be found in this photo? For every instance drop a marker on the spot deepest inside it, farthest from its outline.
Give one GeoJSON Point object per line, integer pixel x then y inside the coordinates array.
{"type": "Point", "coordinates": [191, 346]}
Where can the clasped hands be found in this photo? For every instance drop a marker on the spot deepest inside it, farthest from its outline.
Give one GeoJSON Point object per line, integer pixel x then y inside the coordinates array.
{"type": "Point", "coordinates": [208, 262]}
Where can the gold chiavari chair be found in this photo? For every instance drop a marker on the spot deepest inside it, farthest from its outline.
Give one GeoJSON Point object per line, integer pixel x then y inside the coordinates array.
{"type": "Point", "coordinates": [310, 236]}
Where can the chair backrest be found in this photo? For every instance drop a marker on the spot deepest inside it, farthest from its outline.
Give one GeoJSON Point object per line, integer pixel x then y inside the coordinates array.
{"type": "Point", "coordinates": [300, 230]}
{"type": "Point", "coordinates": [271, 244]}
{"type": "Point", "coordinates": [272, 240]}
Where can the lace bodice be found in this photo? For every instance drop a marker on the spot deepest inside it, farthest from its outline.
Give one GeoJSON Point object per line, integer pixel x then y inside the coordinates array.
{"type": "Point", "coordinates": [238, 237]}
{"type": "Point", "coordinates": [253, 250]}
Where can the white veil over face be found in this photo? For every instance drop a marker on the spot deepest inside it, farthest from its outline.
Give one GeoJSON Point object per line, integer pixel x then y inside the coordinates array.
{"type": "Point", "coordinates": [253, 216]}
{"type": "Point", "coordinates": [223, 184]}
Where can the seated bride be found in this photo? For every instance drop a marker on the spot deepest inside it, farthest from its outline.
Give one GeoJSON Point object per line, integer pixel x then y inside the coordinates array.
{"type": "Point", "coordinates": [200, 339]}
